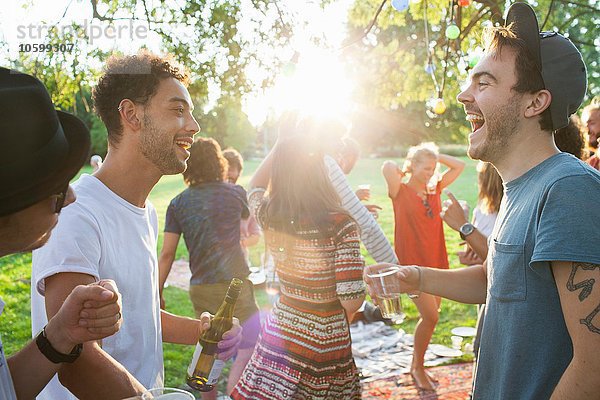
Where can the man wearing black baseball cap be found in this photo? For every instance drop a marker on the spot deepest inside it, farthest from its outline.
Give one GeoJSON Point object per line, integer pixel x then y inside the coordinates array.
{"type": "Point", "coordinates": [541, 331]}
{"type": "Point", "coordinates": [41, 149]}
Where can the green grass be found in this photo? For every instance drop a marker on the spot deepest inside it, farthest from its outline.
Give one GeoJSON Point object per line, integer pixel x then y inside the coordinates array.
{"type": "Point", "coordinates": [15, 326]}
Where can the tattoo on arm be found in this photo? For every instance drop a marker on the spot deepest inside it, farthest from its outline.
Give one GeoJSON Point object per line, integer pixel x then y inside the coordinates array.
{"type": "Point", "coordinates": [586, 287]}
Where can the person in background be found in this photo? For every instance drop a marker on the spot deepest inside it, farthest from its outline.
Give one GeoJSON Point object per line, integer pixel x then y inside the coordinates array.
{"type": "Point", "coordinates": [304, 350]}
{"type": "Point", "coordinates": [31, 200]}
{"type": "Point", "coordinates": [347, 158]}
{"type": "Point", "coordinates": [208, 215]}
{"type": "Point", "coordinates": [249, 230]}
{"type": "Point", "coordinates": [111, 232]}
{"type": "Point", "coordinates": [329, 133]}
{"type": "Point", "coordinates": [571, 139]}
{"type": "Point", "coordinates": [95, 162]}
{"type": "Point", "coordinates": [591, 119]}
{"type": "Point", "coordinates": [419, 232]}
{"type": "Point", "coordinates": [476, 233]}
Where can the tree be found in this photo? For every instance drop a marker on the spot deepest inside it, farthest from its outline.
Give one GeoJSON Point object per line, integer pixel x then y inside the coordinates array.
{"type": "Point", "coordinates": [391, 60]}
{"type": "Point", "coordinates": [202, 35]}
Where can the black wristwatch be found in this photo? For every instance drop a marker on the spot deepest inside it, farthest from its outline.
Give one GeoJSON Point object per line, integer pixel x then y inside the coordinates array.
{"type": "Point", "coordinates": [465, 230]}
{"type": "Point", "coordinates": [50, 352]}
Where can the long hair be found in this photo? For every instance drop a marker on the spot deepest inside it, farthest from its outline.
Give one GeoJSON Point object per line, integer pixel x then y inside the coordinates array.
{"type": "Point", "coordinates": [301, 195]}
{"type": "Point", "coordinates": [206, 163]}
{"type": "Point", "coordinates": [490, 188]}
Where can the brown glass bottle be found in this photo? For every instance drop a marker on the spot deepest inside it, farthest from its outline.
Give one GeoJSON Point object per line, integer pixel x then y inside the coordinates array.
{"type": "Point", "coordinates": [205, 369]}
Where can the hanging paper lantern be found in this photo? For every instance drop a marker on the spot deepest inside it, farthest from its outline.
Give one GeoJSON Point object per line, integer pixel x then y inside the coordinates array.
{"type": "Point", "coordinates": [429, 68]}
{"type": "Point", "coordinates": [474, 59]}
{"type": "Point", "coordinates": [464, 3]}
{"type": "Point", "coordinates": [439, 107]}
{"type": "Point", "coordinates": [400, 5]}
{"type": "Point", "coordinates": [452, 31]}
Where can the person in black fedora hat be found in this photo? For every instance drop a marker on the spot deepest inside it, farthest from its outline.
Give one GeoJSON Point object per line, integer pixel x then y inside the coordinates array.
{"type": "Point", "coordinates": [541, 331]}
{"type": "Point", "coordinates": [111, 232]}
{"type": "Point", "coordinates": [41, 149]}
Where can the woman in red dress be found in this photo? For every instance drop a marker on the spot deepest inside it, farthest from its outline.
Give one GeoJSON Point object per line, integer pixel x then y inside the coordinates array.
{"type": "Point", "coordinates": [419, 231]}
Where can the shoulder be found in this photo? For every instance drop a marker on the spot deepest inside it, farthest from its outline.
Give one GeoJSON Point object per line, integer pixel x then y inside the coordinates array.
{"type": "Point", "coordinates": [567, 165]}
{"type": "Point", "coordinates": [343, 223]}
{"type": "Point", "coordinates": [333, 168]}
{"type": "Point", "coordinates": [576, 176]}
{"type": "Point", "coordinates": [181, 197]}
{"type": "Point", "coordinates": [240, 191]}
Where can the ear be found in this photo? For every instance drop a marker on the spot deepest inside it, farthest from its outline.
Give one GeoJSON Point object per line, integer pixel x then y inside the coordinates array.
{"type": "Point", "coordinates": [538, 103]}
{"type": "Point", "coordinates": [129, 114]}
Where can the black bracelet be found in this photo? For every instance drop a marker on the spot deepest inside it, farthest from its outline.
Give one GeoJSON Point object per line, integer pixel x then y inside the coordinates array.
{"type": "Point", "coordinates": [52, 354]}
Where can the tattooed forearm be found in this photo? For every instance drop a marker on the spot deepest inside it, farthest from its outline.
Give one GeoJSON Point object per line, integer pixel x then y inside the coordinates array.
{"type": "Point", "coordinates": [586, 287]}
{"type": "Point", "coordinates": [587, 284]}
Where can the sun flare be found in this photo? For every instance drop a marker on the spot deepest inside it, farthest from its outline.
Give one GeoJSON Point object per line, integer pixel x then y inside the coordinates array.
{"type": "Point", "coordinates": [316, 85]}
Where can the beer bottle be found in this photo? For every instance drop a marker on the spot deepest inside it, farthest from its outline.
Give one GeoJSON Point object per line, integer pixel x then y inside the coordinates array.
{"type": "Point", "coordinates": [205, 369]}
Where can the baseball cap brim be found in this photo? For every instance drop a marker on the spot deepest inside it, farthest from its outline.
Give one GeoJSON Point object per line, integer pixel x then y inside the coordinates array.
{"type": "Point", "coordinates": [525, 26]}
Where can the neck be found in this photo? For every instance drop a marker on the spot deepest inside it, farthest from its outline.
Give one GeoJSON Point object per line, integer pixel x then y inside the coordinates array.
{"type": "Point", "coordinates": [525, 152]}
{"type": "Point", "coordinates": [129, 175]}
{"type": "Point", "coordinates": [416, 184]}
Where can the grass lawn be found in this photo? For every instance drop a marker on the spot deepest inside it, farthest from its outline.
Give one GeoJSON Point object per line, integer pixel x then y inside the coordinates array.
{"type": "Point", "coordinates": [15, 270]}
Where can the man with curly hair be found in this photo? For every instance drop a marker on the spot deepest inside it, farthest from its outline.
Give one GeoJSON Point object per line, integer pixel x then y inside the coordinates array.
{"type": "Point", "coordinates": [208, 215]}
{"type": "Point", "coordinates": [112, 230]}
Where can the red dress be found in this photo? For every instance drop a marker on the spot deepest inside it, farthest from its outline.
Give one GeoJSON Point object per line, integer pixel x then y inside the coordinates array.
{"type": "Point", "coordinates": [418, 228]}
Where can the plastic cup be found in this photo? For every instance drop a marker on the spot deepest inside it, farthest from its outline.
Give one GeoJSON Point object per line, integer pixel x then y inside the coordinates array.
{"type": "Point", "coordinates": [167, 394]}
{"type": "Point", "coordinates": [456, 342]}
{"type": "Point", "coordinates": [386, 292]}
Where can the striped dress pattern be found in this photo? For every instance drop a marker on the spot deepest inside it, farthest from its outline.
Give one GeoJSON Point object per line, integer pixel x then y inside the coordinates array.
{"type": "Point", "coordinates": [304, 349]}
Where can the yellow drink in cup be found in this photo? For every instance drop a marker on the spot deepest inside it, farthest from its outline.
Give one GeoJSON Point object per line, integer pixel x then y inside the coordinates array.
{"type": "Point", "coordinates": [387, 293]}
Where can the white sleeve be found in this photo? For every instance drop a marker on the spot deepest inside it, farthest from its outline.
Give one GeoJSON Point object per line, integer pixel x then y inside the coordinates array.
{"type": "Point", "coordinates": [370, 232]}
{"type": "Point", "coordinates": [74, 246]}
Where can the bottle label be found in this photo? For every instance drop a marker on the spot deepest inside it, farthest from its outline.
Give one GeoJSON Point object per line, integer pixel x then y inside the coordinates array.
{"type": "Point", "coordinates": [195, 358]}
{"type": "Point", "coordinates": [215, 372]}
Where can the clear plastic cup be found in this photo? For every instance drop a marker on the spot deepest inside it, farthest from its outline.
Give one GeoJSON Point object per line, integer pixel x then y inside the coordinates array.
{"type": "Point", "coordinates": [386, 293]}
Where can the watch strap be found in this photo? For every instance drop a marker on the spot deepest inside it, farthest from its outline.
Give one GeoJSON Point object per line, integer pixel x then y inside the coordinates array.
{"type": "Point", "coordinates": [52, 354]}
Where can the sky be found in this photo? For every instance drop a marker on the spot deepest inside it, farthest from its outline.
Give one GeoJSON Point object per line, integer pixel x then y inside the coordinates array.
{"type": "Point", "coordinates": [26, 22]}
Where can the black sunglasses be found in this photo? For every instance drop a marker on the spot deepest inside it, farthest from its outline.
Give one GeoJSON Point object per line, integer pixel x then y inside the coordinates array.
{"type": "Point", "coordinates": [60, 199]}
{"type": "Point", "coordinates": [428, 211]}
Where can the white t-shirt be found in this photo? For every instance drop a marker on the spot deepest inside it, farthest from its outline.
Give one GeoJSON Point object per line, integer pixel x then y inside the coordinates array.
{"type": "Point", "coordinates": [7, 391]}
{"type": "Point", "coordinates": [483, 221]}
{"type": "Point", "coordinates": [104, 236]}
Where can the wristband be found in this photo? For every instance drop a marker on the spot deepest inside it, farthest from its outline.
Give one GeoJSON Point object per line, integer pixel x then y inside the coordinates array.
{"type": "Point", "coordinates": [52, 354]}
{"type": "Point", "coordinates": [416, 296]}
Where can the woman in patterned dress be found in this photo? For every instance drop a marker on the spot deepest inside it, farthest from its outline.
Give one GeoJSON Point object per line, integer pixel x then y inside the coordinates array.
{"type": "Point", "coordinates": [304, 349]}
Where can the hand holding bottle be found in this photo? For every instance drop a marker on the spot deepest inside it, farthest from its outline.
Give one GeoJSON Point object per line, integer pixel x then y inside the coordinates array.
{"type": "Point", "coordinates": [220, 338]}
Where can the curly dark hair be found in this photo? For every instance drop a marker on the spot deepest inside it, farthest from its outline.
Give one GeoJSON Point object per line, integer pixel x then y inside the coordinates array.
{"type": "Point", "coordinates": [234, 158]}
{"type": "Point", "coordinates": [571, 138]}
{"type": "Point", "coordinates": [206, 163]}
{"type": "Point", "coordinates": [134, 77]}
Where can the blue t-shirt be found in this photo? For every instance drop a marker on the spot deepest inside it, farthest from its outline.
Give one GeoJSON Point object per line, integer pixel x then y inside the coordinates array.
{"type": "Point", "coordinates": [551, 213]}
{"type": "Point", "coordinates": [209, 217]}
